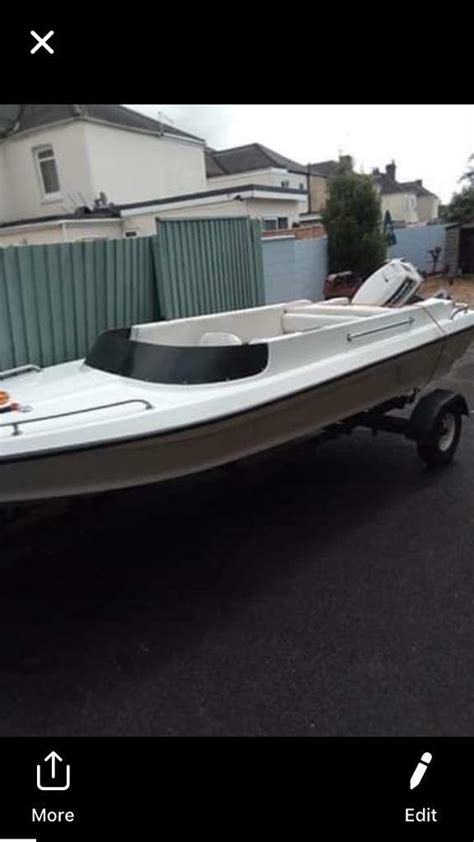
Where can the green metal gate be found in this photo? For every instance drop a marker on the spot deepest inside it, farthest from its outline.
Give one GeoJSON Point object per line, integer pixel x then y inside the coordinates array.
{"type": "Point", "coordinates": [208, 265]}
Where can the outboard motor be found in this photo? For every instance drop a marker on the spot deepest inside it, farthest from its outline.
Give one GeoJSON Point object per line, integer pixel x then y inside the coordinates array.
{"type": "Point", "coordinates": [390, 286]}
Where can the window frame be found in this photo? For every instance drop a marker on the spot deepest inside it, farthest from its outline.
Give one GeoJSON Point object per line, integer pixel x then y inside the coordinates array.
{"type": "Point", "coordinates": [57, 194]}
{"type": "Point", "coordinates": [266, 219]}
{"type": "Point", "coordinates": [276, 220]}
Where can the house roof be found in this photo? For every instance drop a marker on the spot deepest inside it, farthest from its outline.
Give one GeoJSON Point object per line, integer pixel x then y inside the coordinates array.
{"type": "Point", "coordinates": [387, 185]}
{"type": "Point", "coordinates": [111, 212]}
{"type": "Point", "coordinates": [20, 118]}
{"type": "Point", "coordinates": [324, 168]}
{"type": "Point", "coordinates": [417, 188]}
{"type": "Point", "coordinates": [252, 156]}
{"type": "Point", "coordinates": [284, 192]}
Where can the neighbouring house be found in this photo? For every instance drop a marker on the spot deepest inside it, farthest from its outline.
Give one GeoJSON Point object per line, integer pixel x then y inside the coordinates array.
{"type": "Point", "coordinates": [408, 201]}
{"type": "Point", "coordinates": [65, 170]}
{"type": "Point", "coordinates": [427, 203]}
{"type": "Point", "coordinates": [319, 176]}
{"type": "Point", "coordinates": [82, 172]}
{"type": "Point", "coordinates": [272, 187]}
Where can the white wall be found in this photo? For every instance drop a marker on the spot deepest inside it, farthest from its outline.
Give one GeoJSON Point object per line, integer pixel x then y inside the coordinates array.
{"type": "Point", "coordinates": [145, 223]}
{"type": "Point", "coordinates": [96, 229]}
{"type": "Point", "coordinates": [428, 208]}
{"type": "Point", "coordinates": [132, 167]}
{"type": "Point", "coordinates": [24, 197]}
{"type": "Point", "coordinates": [261, 208]}
{"type": "Point", "coordinates": [70, 232]}
{"type": "Point", "coordinates": [39, 236]}
{"type": "Point", "coordinates": [218, 209]}
{"type": "Point", "coordinates": [3, 184]}
{"type": "Point", "coordinates": [402, 206]}
{"type": "Point", "coordinates": [263, 176]}
{"type": "Point", "coordinates": [127, 166]}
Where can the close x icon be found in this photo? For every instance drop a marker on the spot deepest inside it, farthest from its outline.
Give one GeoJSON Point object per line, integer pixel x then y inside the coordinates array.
{"type": "Point", "coordinates": [42, 42]}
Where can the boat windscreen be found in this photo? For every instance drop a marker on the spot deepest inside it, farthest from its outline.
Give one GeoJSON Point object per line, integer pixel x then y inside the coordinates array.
{"type": "Point", "coordinates": [116, 353]}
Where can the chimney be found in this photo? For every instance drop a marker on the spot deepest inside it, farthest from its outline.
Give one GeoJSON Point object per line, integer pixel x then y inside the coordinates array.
{"type": "Point", "coordinates": [346, 160]}
{"type": "Point", "coordinates": [390, 170]}
{"type": "Point", "coordinates": [375, 171]}
{"type": "Point", "coordinates": [419, 181]}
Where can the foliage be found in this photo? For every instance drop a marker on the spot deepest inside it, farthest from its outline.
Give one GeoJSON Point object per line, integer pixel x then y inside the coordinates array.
{"type": "Point", "coordinates": [461, 206]}
{"type": "Point", "coordinates": [469, 174]}
{"type": "Point", "coordinates": [354, 224]}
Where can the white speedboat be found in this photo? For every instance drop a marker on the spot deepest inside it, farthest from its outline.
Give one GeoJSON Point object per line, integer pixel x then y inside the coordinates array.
{"type": "Point", "coordinates": [162, 400]}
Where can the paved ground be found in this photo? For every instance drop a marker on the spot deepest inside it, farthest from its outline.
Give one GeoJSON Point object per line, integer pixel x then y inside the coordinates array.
{"type": "Point", "coordinates": [461, 288]}
{"type": "Point", "coordinates": [322, 592]}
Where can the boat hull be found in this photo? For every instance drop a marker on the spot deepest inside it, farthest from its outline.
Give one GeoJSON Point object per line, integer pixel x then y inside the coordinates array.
{"type": "Point", "coordinates": [154, 458]}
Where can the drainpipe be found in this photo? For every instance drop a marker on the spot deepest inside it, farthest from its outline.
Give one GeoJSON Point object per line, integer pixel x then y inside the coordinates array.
{"type": "Point", "coordinates": [63, 226]}
{"type": "Point", "coordinates": [310, 209]}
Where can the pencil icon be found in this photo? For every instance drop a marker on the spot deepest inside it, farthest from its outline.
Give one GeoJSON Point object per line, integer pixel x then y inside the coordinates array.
{"type": "Point", "coordinates": [420, 769]}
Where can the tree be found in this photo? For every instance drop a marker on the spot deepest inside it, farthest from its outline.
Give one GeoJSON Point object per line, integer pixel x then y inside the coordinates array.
{"type": "Point", "coordinates": [469, 174]}
{"type": "Point", "coordinates": [353, 223]}
{"type": "Point", "coordinates": [461, 206]}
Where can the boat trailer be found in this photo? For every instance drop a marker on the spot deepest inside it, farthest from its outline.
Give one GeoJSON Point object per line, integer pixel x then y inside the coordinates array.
{"type": "Point", "coordinates": [434, 424]}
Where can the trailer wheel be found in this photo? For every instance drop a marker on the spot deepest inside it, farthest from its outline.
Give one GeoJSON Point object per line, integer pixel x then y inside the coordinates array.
{"type": "Point", "coordinates": [438, 445]}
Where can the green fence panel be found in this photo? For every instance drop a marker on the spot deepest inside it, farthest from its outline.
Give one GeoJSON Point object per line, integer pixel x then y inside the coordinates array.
{"type": "Point", "coordinates": [55, 300]}
{"type": "Point", "coordinates": [208, 265]}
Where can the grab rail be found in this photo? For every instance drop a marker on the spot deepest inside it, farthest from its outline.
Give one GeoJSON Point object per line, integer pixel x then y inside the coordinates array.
{"type": "Point", "coordinates": [351, 336]}
{"type": "Point", "coordinates": [459, 309]}
{"type": "Point", "coordinates": [21, 369]}
{"type": "Point", "coordinates": [16, 424]}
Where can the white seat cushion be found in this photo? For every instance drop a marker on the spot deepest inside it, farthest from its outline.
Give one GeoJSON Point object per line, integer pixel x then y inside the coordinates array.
{"type": "Point", "coordinates": [219, 337]}
{"type": "Point", "coordinates": [298, 304]}
{"type": "Point", "coordinates": [341, 300]}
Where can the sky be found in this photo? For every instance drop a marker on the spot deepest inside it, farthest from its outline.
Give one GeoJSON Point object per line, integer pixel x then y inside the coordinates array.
{"type": "Point", "coordinates": [431, 142]}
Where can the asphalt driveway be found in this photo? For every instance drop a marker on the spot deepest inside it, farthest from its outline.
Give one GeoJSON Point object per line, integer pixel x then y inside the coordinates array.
{"type": "Point", "coordinates": [323, 591]}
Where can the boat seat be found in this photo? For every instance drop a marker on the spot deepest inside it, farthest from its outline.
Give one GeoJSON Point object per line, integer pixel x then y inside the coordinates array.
{"type": "Point", "coordinates": [341, 300]}
{"type": "Point", "coordinates": [219, 337]}
{"type": "Point", "coordinates": [298, 304]}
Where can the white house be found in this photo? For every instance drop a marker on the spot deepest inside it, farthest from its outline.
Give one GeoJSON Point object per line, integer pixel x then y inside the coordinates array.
{"type": "Point", "coordinates": [282, 193]}
{"type": "Point", "coordinates": [65, 169]}
{"type": "Point", "coordinates": [408, 202]}
{"type": "Point", "coordinates": [78, 172]}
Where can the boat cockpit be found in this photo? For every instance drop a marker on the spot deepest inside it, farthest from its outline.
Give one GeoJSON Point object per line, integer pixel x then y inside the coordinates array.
{"type": "Point", "coordinates": [253, 326]}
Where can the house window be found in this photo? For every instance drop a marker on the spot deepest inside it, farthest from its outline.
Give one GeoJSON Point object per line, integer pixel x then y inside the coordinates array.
{"type": "Point", "coordinates": [128, 234]}
{"type": "Point", "coordinates": [275, 223]}
{"type": "Point", "coordinates": [285, 183]}
{"type": "Point", "coordinates": [302, 186]}
{"type": "Point", "coordinates": [270, 224]}
{"type": "Point", "coordinates": [48, 171]}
